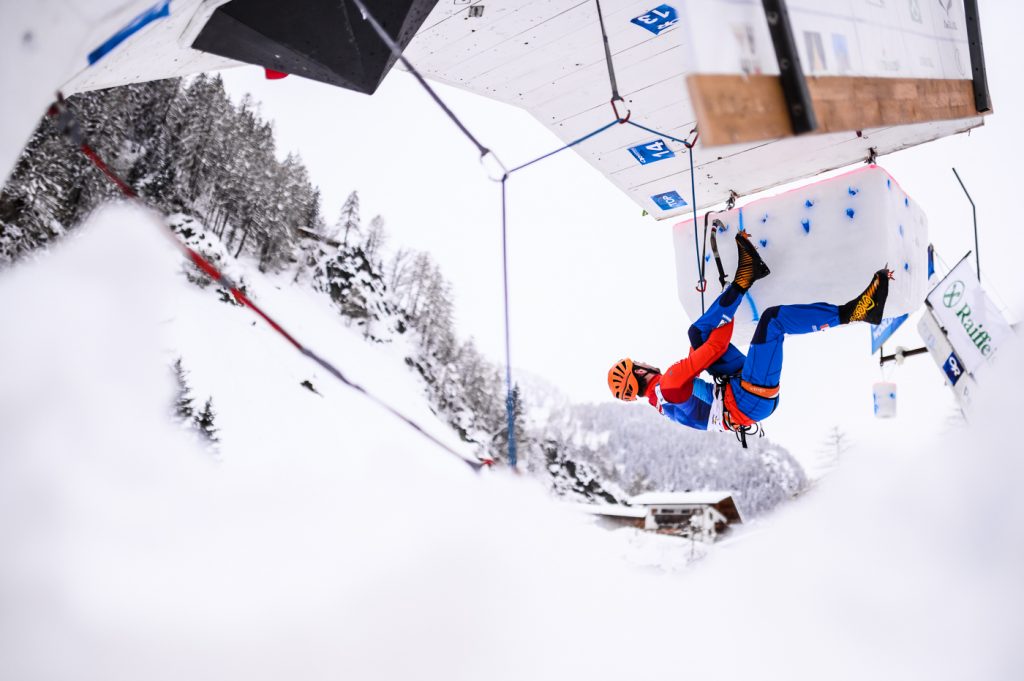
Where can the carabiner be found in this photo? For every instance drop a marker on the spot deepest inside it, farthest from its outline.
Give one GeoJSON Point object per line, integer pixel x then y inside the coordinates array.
{"type": "Point", "coordinates": [618, 117]}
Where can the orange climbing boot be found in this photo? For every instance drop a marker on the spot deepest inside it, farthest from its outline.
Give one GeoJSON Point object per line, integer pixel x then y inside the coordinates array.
{"type": "Point", "coordinates": [750, 267]}
{"type": "Point", "coordinates": [868, 306]}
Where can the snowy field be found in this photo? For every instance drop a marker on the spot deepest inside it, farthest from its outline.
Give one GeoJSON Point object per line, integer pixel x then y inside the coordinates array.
{"type": "Point", "coordinates": [323, 539]}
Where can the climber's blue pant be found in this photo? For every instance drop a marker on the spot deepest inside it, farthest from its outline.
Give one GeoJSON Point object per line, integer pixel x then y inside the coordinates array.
{"type": "Point", "coordinates": [763, 365]}
{"type": "Point", "coordinates": [720, 312]}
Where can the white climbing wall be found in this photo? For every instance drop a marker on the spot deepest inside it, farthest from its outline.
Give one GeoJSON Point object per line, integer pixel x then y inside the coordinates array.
{"type": "Point", "coordinates": [822, 243]}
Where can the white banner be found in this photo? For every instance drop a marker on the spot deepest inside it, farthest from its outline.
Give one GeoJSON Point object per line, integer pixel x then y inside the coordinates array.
{"type": "Point", "coordinates": [973, 324]}
{"type": "Point", "coordinates": [942, 352]}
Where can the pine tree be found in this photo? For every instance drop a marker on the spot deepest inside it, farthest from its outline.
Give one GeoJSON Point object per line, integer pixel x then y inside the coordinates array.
{"type": "Point", "coordinates": [836, 443]}
{"type": "Point", "coordinates": [376, 237]}
{"type": "Point", "coordinates": [183, 408]}
{"type": "Point", "coordinates": [348, 221]}
{"type": "Point", "coordinates": [204, 421]}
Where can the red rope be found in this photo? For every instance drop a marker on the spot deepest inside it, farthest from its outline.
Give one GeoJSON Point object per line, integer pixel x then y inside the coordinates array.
{"type": "Point", "coordinates": [98, 162]}
{"type": "Point", "coordinates": [211, 271]}
{"type": "Point", "coordinates": [197, 258]}
{"type": "Point", "coordinates": [58, 110]}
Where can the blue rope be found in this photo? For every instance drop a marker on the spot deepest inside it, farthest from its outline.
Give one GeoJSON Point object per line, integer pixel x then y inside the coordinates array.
{"type": "Point", "coordinates": [688, 145]}
{"type": "Point", "coordinates": [509, 397]}
{"type": "Point", "coordinates": [567, 146]}
{"type": "Point", "coordinates": [701, 282]}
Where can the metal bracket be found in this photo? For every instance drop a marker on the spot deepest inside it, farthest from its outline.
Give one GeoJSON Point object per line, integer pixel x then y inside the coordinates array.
{"type": "Point", "coordinates": [899, 355]}
{"type": "Point", "coordinates": [791, 75]}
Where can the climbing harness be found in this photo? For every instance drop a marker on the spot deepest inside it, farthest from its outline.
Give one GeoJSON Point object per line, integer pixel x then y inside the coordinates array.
{"type": "Point", "coordinates": [741, 431]}
{"type": "Point", "coordinates": [767, 392]}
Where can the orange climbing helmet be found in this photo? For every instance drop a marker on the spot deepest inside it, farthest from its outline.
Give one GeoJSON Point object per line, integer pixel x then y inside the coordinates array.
{"type": "Point", "coordinates": [622, 382]}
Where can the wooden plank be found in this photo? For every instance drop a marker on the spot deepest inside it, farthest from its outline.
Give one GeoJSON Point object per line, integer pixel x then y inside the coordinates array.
{"type": "Point", "coordinates": [739, 109]}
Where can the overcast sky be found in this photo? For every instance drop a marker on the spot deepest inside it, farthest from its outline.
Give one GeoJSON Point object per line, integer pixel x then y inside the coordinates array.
{"type": "Point", "coordinates": [592, 279]}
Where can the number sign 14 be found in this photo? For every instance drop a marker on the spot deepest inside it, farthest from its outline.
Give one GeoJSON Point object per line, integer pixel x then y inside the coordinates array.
{"type": "Point", "coordinates": [650, 152]}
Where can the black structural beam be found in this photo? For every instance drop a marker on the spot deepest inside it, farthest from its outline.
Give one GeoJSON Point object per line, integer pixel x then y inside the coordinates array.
{"type": "Point", "coordinates": [325, 40]}
{"type": "Point", "coordinates": [791, 75]}
{"type": "Point", "coordinates": [979, 76]}
{"type": "Point", "coordinates": [883, 358]}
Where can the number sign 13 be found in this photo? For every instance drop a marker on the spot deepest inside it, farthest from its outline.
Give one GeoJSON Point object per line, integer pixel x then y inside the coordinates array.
{"type": "Point", "coordinates": [658, 19]}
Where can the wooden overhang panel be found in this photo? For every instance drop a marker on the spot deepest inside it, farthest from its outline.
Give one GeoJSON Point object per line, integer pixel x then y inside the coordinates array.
{"type": "Point", "coordinates": [547, 57]}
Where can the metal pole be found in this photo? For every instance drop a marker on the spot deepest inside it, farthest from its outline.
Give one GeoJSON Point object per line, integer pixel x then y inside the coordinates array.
{"type": "Point", "coordinates": [883, 358]}
{"type": "Point", "coordinates": [979, 75]}
{"type": "Point", "coordinates": [974, 211]}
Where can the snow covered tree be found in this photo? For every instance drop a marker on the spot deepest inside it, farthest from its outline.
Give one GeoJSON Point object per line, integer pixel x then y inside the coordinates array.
{"type": "Point", "coordinates": [204, 421]}
{"type": "Point", "coordinates": [836, 443]}
{"type": "Point", "coordinates": [183, 408]}
{"type": "Point", "coordinates": [348, 222]}
{"type": "Point", "coordinates": [356, 285]}
{"type": "Point", "coordinates": [376, 237]}
{"type": "Point", "coordinates": [643, 451]}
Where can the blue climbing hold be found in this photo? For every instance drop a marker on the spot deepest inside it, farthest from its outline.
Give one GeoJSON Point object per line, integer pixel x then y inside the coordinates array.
{"type": "Point", "coordinates": [809, 203]}
{"type": "Point", "coordinates": [764, 219]}
{"type": "Point", "coordinates": [906, 201]}
{"type": "Point", "coordinates": [764, 242]}
{"type": "Point", "coordinates": [901, 231]}
{"type": "Point", "coordinates": [888, 183]}
{"type": "Point", "coordinates": [906, 267]}
{"type": "Point", "coordinates": [853, 191]}
{"type": "Point", "coordinates": [806, 225]}
{"type": "Point", "coordinates": [707, 258]}
{"type": "Point", "coordinates": [849, 213]}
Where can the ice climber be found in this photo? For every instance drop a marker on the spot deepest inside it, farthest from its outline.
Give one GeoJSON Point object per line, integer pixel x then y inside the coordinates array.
{"type": "Point", "coordinates": [746, 388]}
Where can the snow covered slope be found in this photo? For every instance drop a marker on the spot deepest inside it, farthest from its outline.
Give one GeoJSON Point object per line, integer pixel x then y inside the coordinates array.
{"type": "Point", "coordinates": [326, 541]}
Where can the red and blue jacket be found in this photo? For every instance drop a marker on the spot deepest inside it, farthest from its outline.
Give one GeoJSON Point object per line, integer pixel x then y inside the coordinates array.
{"type": "Point", "coordinates": [686, 398]}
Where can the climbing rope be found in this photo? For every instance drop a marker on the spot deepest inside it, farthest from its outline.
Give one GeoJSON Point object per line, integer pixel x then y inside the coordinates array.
{"type": "Point", "coordinates": [510, 398]}
{"type": "Point", "coordinates": [702, 283]}
{"type": "Point", "coordinates": [563, 148]}
{"type": "Point", "coordinates": [505, 174]}
{"type": "Point", "coordinates": [397, 51]}
{"type": "Point", "coordinates": [68, 125]}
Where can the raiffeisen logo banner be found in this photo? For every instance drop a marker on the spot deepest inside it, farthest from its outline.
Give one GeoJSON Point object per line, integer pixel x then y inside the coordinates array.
{"type": "Point", "coordinates": [973, 324]}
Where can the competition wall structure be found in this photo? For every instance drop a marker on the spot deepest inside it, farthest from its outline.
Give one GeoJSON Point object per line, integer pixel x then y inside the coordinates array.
{"type": "Point", "coordinates": [548, 58]}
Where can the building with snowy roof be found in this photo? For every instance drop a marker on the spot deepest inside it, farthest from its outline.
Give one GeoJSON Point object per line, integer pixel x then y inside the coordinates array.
{"type": "Point", "coordinates": [675, 511]}
{"type": "Point", "coordinates": [671, 512]}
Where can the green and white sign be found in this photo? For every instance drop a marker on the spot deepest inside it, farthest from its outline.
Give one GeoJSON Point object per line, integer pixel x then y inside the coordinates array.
{"type": "Point", "coordinates": [973, 324]}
